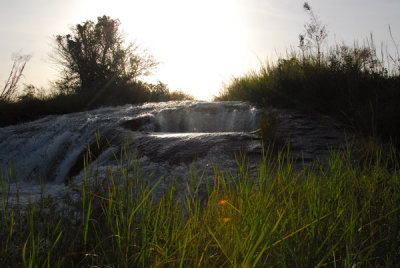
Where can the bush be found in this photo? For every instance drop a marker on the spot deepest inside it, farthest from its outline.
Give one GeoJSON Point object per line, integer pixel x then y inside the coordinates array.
{"type": "Point", "coordinates": [179, 96]}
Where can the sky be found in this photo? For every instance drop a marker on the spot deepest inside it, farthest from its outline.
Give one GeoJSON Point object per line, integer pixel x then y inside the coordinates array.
{"type": "Point", "coordinates": [200, 44]}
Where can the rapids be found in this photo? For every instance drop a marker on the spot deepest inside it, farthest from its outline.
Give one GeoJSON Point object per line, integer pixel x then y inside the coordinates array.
{"type": "Point", "coordinates": [169, 140]}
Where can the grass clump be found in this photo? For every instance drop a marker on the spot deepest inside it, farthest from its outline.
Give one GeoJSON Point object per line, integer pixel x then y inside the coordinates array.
{"type": "Point", "coordinates": [352, 84]}
{"type": "Point", "coordinates": [341, 214]}
{"type": "Point", "coordinates": [341, 84]}
{"type": "Point", "coordinates": [268, 129]}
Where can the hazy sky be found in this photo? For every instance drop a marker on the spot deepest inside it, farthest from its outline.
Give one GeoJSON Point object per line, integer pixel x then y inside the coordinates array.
{"type": "Point", "coordinates": [200, 44]}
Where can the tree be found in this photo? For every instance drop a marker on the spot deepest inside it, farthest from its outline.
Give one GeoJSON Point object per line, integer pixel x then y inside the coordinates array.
{"type": "Point", "coordinates": [15, 75]}
{"type": "Point", "coordinates": [315, 35]}
{"type": "Point", "coordinates": [94, 57]}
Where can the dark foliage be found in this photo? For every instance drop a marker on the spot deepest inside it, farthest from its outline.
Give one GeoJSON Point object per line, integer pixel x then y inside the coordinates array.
{"type": "Point", "coordinates": [94, 57]}
{"type": "Point", "coordinates": [98, 70]}
{"type": "Point", "coordinates": [349, 83]}
{"type": "Point", "coordinates": [363, 99]}
{"type": "Point", "coordinates": [30, 107]}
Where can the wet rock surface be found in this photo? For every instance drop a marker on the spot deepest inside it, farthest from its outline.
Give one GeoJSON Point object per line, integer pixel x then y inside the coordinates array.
{"type": "Point", "coordinates": [169, 140]}
{"type": "Point", "coordinates": [311, 136]}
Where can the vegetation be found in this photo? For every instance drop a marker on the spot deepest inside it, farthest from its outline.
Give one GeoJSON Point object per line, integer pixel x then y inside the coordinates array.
{"type": "Point", "coordinates": [97, 70]}
{"type": "Point", "coordinates": [342, 214]}
{"type": "Point", "coordinates": [11, 84]}
{"type": "Point", "coordinates": [31, 106]}
{"type": "Point", "coordinates": [349, 83]}
{"type": "Point", "coordinates": [268, 129]}
{"type": "Point", "coordinates": [345, 213]}
{"type": "Point", "coordinates": [94, 57]}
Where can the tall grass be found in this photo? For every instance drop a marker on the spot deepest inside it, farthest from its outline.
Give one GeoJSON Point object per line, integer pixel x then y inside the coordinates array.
{"type": "Point", "coordinates": [344, 213]}
{"type": "Point", "coordinates": [351, 84]}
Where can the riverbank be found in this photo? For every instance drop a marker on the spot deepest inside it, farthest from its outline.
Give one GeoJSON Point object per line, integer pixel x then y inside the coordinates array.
{"type": "Point", "coordinates": [349, 84]}
{"type": "Point", "coordinates": [340, 214]}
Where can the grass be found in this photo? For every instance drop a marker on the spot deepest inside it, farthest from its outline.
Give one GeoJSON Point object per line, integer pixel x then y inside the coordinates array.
{"type": "Point", "coordinates": [350, 84]}
{"type": "Point", "coordinates": [343, 214]}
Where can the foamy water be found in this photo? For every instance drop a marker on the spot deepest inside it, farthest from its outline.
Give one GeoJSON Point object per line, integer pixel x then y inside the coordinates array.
{"type": "Point", "coordinates": [168, 139]}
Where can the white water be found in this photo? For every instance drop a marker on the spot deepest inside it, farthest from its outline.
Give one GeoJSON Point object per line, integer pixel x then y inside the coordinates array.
{"type": "Point", "coordinates": [167, 137]}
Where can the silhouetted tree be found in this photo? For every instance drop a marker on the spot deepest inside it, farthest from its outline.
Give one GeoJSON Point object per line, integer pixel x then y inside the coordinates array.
{"type": "Point", "coordinates": [94, 57]}
{"type": "Point", "coordinates": [15, 75]}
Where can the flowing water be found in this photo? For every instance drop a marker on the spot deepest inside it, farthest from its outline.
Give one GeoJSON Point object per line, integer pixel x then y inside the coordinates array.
{"type": "Point", "coordinates": [170, 140]}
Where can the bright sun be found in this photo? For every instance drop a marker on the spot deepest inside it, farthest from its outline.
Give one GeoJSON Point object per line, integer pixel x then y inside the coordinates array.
{"type": "Point", "coordinates": [199, 43]}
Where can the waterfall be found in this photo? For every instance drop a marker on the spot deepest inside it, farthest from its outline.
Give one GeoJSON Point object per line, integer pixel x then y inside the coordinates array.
{"type": "Point", "coordinates": [199, 117]}
{"type": "Point", "coordinates": [168, 138]}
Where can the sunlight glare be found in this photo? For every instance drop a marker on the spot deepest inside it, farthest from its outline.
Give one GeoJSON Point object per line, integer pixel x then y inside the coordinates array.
{"type": "Point", "coordinates": [199, 44]}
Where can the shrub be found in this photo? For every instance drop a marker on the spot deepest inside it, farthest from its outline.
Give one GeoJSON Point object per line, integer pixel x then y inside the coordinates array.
{"type": "Point", "coordinates": [179, 96]}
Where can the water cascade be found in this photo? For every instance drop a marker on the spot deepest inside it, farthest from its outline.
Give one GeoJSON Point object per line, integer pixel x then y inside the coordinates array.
{"type": "Point", "coordinates": [167, 138]}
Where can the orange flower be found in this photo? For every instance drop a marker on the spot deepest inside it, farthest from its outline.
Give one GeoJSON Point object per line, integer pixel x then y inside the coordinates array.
{"type": "Point", "coordinates": [222, 202]}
